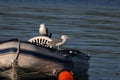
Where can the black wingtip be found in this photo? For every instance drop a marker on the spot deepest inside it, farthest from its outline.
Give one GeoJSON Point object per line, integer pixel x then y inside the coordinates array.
{"type": "Point", "coordinates": [50, 35]}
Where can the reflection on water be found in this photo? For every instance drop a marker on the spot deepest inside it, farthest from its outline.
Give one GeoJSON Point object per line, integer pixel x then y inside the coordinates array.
{"type": "Point", "coordinates": [92, 30]}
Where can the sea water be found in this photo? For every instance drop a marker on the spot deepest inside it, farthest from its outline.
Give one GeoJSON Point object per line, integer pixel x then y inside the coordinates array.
{"type": "Point", "coordinates": [93, 28]}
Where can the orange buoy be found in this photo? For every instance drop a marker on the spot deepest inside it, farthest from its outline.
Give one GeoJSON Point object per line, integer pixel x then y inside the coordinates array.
{"type": "Point", "coordinates": [65, 75]}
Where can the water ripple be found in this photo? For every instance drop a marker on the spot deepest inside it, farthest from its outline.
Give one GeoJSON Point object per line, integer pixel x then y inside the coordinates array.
{"type": "Point", "coordinates": [91, 30]}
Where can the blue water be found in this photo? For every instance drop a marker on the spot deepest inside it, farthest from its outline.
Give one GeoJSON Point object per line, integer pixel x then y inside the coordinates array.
{"type": "Point", "coordinates": [92, 25]}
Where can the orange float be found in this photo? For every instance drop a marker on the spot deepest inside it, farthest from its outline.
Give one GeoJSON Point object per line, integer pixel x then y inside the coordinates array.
{"type": "Point", "coordinates": [65, 75]}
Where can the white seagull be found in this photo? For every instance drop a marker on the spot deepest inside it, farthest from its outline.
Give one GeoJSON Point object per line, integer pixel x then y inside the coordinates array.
{"type": "Point", "coordinates": [59, 42]}
{"type": "Point", "coordinates": [44, 31]}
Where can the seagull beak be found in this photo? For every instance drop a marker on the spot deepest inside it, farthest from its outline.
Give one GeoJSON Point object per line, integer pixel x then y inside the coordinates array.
{"type": "Point", "coordinates": [68, 37]}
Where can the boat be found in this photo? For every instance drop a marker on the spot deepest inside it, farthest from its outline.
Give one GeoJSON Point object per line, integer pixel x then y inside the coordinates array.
{"type": "Point", "coordinates": [28, 60]}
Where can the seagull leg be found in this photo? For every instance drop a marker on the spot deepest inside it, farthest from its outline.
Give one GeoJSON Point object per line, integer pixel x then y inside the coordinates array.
{"type": "Point", "coordinates": [58, 47]}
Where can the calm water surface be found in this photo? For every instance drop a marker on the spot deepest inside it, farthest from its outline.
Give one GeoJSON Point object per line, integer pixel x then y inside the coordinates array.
{"type": "Point", "coordinates": [91, 30]}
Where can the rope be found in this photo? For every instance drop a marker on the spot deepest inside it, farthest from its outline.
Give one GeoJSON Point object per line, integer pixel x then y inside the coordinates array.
{"type": "Point", "coordinates": [14, 75]}
{"type": "Point", "coordinates": [18, 52]}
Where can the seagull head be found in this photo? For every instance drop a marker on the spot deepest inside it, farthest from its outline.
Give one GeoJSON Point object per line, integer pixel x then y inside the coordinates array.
{"type": "Point", "coordinates": [42, 25]}
{"type": "Point", "coordinates": [64, 37]}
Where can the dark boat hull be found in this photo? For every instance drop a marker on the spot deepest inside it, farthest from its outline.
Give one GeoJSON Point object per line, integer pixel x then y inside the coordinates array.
{"type": "Point", "coordinates": [38, 62]}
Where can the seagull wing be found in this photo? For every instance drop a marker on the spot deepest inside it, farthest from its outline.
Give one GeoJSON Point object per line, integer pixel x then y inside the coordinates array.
{"type": "Point", "coordinates": [55, 41]}
{"type": "Point", "coordinates": [46, 31]}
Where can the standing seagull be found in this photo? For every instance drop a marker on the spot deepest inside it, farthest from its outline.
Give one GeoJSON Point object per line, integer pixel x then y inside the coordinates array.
{"type": "Point", "coordinates": [44, 31]}
{"type": "Point", "coordinates": [59, 42]}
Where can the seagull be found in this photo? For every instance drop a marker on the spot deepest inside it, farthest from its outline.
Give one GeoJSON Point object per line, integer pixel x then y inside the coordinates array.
{"type": "Point", "coordinates": [44, 30]}
{"type": "Point", "coordinates": [59, 42]}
